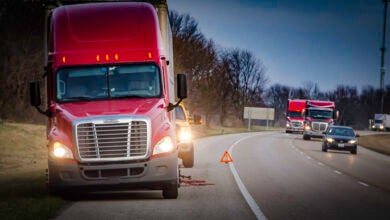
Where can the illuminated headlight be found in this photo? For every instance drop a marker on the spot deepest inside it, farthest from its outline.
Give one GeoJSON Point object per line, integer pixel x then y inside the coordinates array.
{"type": "Point", "coordinates": [163, 146]}
{"type": "Point", "coordinates": [288, 125]}
{"type": "Point", "coordinates": [61, 151]}
{"type": "Point", "coordinates": [185, 134]}
{"type": "Point", "coordinates": [352, 141]}
{"type": "Point", "coordinates": [307, 127]}
{"type": "Point", "coordinates": [329, 140]}
{"type": "Point", "coordinates": [373, 126]}
{"type": "Point", "coordinates": [381, 127]}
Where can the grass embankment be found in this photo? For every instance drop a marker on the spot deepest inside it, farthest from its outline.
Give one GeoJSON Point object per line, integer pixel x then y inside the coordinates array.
{"type": "Point", "coordinates": [199, 131]}
{"type": "Point", "coordinates": [378, 142]}
{"type": "Point", "coordinates": [23, 160]}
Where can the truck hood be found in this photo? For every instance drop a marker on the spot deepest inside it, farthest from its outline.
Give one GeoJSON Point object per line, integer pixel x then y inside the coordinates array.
{"type": "Point", "coordinates": [295, 118]}
{"type": "Point", "coordinates": [110, 107]}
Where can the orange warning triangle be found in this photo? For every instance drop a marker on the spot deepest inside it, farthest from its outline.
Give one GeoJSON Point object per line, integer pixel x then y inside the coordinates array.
{"type": "Point", "coordinates": [226, 158]}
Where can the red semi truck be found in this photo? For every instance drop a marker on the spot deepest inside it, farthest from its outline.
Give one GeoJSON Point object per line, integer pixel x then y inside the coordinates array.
{"type": "Point", "coordinates": [318, 116]}
{"type": "Point", "coordinates": [294, 117]}
{"type": "Point", "coordinates": [109, 86]}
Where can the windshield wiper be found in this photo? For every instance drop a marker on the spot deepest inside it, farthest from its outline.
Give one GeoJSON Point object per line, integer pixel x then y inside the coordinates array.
{"type": "Point", "coordinates": [82, 98]}
{"type": "Point", "coordinates": [131, 96]}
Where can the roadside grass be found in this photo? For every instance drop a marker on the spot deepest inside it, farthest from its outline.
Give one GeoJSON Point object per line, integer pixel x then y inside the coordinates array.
{"type": "Point", "coordinates": [199, 131]}
{"type": "Point", "coordinates": [378, 142]}
{"type": "Point", "coordinates": [23, 160]}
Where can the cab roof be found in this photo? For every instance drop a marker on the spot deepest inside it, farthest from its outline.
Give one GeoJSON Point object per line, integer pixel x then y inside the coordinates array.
{"type": "Point", "coordinates": [104, 33]}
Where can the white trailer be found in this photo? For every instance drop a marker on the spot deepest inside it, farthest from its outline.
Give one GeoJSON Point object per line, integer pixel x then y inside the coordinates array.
{"type": "Point", "coordinates": [381, 122]}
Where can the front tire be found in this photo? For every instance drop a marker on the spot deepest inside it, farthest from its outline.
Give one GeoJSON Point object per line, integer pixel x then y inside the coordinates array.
{"type": "Point", "coordinates": [306, 137]}
{"type": "Point", "coordinates": [324, 148]}
{"type": "Point", "coordinates": [171, 191]}
{"type": "Point", "coordinates": [354, 151]}
{"type": "Point", "coordinates": [188, 158]}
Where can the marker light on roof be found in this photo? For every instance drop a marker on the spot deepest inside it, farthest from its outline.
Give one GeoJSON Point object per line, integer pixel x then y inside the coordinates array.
{"type": "Point", "coordinates": [116, 56]}
{"type": "Point", "coordinates": [97, 57]}
{"type": "Point", "coordinates": [107, 57]}
{"type": "Point", "coordinates": [150, 55]}
{"type": "Point", "coordinates": [63, 59]}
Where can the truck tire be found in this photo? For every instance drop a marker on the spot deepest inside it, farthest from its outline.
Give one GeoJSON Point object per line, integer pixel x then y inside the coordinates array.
{"type": "Point", "coordinates": [188, 158]}
{"type": "Point", "coordinates": [306, 137]}
{"type": "Point", "coordinates": [324, 148]}
{"type": "Point", "coordinates": [171, 191]}
{"type": "Point", "coordinates": [354, 151]}
{"type": "Point", "coordinates": [288, 131]}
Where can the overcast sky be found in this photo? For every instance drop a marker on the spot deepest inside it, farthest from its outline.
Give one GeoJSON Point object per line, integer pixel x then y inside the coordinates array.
{"type": "Point", "coordinates": [329, 42]}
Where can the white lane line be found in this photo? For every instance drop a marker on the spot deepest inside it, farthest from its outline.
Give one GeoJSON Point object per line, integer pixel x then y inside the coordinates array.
{"type": "Point", "coordinates": [308, 157]}
{"type": "Point", "coordinates": [249, 199]}
{"type": "Point", "coordinates": [363, 184]}
{"type": "Point", "coordinates": [338, 172]}
{"type": "Point", "coordinates": [321, 164]}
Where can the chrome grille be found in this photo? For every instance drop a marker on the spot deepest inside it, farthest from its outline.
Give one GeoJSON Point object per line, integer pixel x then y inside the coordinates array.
{"type": "Point", "coordinates": [319, 126]}
{"type": "Point", "coordinates": [98, 141]}
{"type": "Point", "coordinates": [297, 124]}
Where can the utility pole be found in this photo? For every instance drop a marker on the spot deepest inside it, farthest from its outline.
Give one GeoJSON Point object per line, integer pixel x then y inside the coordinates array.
{"type": "Point", "coordinates": [383, 50]}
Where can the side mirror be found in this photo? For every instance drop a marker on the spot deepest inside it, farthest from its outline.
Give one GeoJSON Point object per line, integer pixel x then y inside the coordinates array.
{"type": "Point", "coordinates": [181, 86]}
{"type": "Point", "coordinates": [336, 114]}
{"type": "Point", "coordinates": [35, 95]}
{"type": "Point", "coordinates": [35, 98]}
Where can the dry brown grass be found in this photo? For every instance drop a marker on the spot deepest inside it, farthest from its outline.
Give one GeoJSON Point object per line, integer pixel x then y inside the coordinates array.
{"type": "Point", "coordinates": [23, 160]}
{"type": "Point", "coordinates": [378, 142]}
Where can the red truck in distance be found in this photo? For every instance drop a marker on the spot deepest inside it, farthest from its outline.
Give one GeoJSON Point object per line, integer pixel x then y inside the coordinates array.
{"type": "Point", "coordinates": [294, 116]}
{"type": "Point", "coordinates": [110, 84]}
{"type": "Point", "coordinates": [318, 116]}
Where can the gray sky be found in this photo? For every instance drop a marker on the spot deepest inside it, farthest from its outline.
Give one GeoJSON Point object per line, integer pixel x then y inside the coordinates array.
{"type": "Point", "coordinates": [329, 42]}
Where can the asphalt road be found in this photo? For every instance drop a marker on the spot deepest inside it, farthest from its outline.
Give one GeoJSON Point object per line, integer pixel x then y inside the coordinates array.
{"type": "Point", "coordinates": [282, 177]}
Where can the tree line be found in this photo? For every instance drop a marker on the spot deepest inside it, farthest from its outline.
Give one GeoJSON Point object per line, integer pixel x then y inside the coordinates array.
{"type": "Point", "coordinates": [221, 81]}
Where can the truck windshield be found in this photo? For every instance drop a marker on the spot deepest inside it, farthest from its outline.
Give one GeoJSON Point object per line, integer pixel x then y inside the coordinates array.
{"type": "Point", "coordinates": [378, 121]}
{"type": "Point", "coordinates": [108, 82]}
{"type": "Point", "coordinates": [295, 114]}
{"type": "Point", "coordinates": [320, 114]}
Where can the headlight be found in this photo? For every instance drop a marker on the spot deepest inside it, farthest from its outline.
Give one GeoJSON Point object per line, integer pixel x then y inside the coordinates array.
{"type": "Point", "coordinates": [307, 127]}
{"type": "Point", "coordinates": [373, 126]}
{"type": "Point", "coordinates": [381, 126]}
{"type": "Point", "coordinates": [352, 141]}
{"type": "Point", "coordinates": [185, 134]}
{"type": "Point", "coordinates": [163, 146]}
{"type": "Point", "coordinates": [61, 151]}
{"type": "Point", "coordinates": [330, 140]}
{"type": "Point", "coordinates": [288, 125]}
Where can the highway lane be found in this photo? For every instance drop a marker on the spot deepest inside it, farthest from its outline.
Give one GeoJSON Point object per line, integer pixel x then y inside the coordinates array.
{"type": "Point", "coordinates": [292, 179]}
{"type": "Point", "coordinates": [220, 200]}
{"type": "Point", "coordinates": [287, 177]}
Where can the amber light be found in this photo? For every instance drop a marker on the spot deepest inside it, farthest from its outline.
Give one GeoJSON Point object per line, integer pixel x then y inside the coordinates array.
{"type": "Point", "coordinates": [97, 57]}
{"type": "Point", "coordinates": [150, 55]}
{"type": "Point", "coordinates": [116, 56]}
{"type": "Point", "coordinates": [64, 59]}
{"type": "Point", "coordinates": [107, 57]}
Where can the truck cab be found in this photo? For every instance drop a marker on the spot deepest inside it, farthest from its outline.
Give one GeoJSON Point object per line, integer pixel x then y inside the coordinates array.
{"type": "Point", "coordinates": [109, 99]}
{"type": "Point", "coordinates": [294, 117]}
{"type": "Point", "coordinates": [318, 116]}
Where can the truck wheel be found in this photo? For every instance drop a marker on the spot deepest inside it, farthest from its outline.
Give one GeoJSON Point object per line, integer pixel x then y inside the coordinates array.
{"type": "Point", "coordinates": [188, 158]}
{"type": "Point", "coordinates": [288, 131]}
{"type": "Point", "coordinates": [306, 137]}
{"type": "Point", "coordinates": [171, 191]}
{"type": "Point", "coordinates": [324, 148]}
{"type": "Point", "coordinates": [354, 151]}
